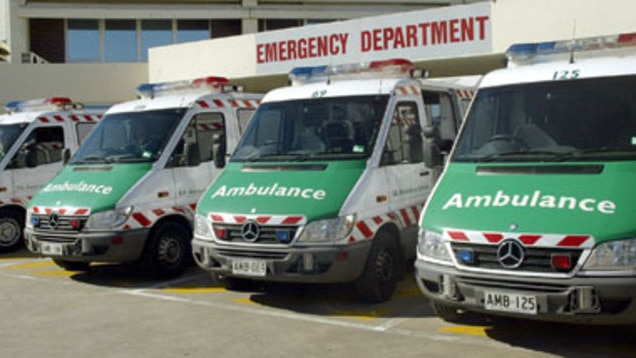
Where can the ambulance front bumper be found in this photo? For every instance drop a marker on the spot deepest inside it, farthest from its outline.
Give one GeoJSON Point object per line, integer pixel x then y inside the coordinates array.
{"type": "Point", "coordinates": [587, 300]}
{"type": "Point", "coordinates": [317, 264]}
{"type": "Point", "coordinates": [109, 246]}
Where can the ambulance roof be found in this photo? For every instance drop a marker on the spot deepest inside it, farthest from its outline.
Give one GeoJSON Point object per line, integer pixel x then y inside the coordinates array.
{"type": "Point", "coordinates": [181, 94]}
{"type": "Point", "coordinates": [605, 56]}
{"type": "Point", "coordinates": [47, 110]}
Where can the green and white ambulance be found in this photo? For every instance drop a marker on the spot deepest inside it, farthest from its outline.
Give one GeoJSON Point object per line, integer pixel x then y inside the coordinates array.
{"type": "Point", "coordinates": [36, 137]}
{"type": "Point", "coordinates": [129, 193]}
{"type": "Point", "coordinates": [327, 182]}
{"type": "Point", "coordinates": [533, 215]}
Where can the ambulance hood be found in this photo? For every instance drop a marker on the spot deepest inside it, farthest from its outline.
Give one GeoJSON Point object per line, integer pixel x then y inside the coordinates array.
{"type": "Point", "coordinates": [315, 190]}
{"type": "Point", "coordinates": [98, 187]}
{"type": "Point", "coordinates": [569, 199]}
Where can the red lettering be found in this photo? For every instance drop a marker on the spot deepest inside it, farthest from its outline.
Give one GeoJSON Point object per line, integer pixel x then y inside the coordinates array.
{"type": "Point", "coordinates": [312, 47]}
{"type": "Point", "coordinates": [482, 27]}
{"type": "Point", "coordinates": [291, 50]}
{"type": "Point", "coordinates": [282, 50]}
{"type": "Point", "coordinates": [271, 52]}
{"type": "Point", "coordinates": [399, 38]}
{"type": "Point", "coordinates": [259, 54]}
{"type": "Point", "coordinates": [302, 48]}
{"type": "Point", "coordinates": [365, 39]}
{"type": "Point", "coordinates": [322, 46]}
{"type": "Point", "coordinates": [438, 33]}
{"type": "Point", "coordinates": [425, 27]}
{"type": "Point", "coordinates": [387, 35]}
{"type": "Point", "coordinates": [468, 29]}
{"type": "Point", "coordinates": [377, 38]}
{"type": "Point", "coordinates": [454, 30]}
{"type": "Point", "coordinates": [411, 35]}
{"type": "Point", "coordinates": [343, 42]}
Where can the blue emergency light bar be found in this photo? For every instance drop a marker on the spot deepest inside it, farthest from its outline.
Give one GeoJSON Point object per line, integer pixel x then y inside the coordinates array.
{"type": "Point", "coordinates": [37, 104]}
{"type": "Point", "coordinates": [211, 83]}
{"type": "Point", "coordinates": [528, 53]}
{"type": "Point", "coordinates": [392, 68]}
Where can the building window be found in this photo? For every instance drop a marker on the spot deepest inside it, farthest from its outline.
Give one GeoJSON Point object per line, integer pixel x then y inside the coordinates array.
{"type": "Point", "coordinates": [120, 41]}
{"type": "Point", "coordinates": [192, 30]}
{"type": "Point", "coordinates": [154, 33]}
{"type": "Point", "coordinates": [83, 41]}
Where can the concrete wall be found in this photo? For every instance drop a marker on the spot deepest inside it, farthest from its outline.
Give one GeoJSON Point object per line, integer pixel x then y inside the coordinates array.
{"type": "Point", "coordinates": [517, 21]}
{"type": "Point", "coordinates": [88, 83]}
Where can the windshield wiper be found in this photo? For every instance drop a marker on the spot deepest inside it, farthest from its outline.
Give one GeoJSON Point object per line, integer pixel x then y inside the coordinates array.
{"type": "Point", "coordinates": [93, 159]}
{"type": "Point", "coordinates": [584, 153]}
{"type": "Point", "coordinates": [520, 153]}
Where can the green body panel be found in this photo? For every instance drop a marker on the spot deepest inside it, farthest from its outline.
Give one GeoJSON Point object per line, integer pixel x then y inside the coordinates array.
{"type": "Point", "coordinates": [98, 187]}
{"type": "Point", "coordinates": [313, 190]}
{"type": "Point", "coordinates": [599, 204]}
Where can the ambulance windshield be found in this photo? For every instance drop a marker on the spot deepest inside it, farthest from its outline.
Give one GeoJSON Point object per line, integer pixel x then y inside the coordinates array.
{"type": "Point", "coordinates": [327, 128]}
{"type": "Point", "coordinates": [129, 137]}
{"type": "Point", "coordinates": [574, 120]}
{"type": "Point", "coordinates": [8, 135]}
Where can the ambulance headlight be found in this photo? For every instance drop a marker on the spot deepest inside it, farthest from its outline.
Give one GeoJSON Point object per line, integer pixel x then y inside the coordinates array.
{"type": "Point", "coordinates": [108, 219]}
{"type": "Point", "coordinates": [612, 255]}
{"type": "Point", "coordinates": [328, 230]}
{"type": "Point", "coordinates": [431, 245]}
{"type": "Point", "coordinates": [202, 227]}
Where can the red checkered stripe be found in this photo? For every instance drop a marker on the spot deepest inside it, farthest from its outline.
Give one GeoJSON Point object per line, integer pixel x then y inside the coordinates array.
{"type": "Point", "coordinates": [295, 220]}
{"type": "Point", "coordinates": [536, 240]}
{"type": "Point", "coordinates": [409, 89]}
{"type": "Point", "coordinates": [202, 127]}
{"type": "Point", "coordinates": [366, 228]}
{"type": "Point", "coordinates": [147, 218]}
{"type": "Point", "coordinates": [19, 201]}
{"type": "Point", "coordinates": [64, 210]}
{"type": "Point", "coordinates": [228, 103]}
{"type": "Point", "coordinates": [70, 117]}
{"type": "Point", "coordinates": [465, 93]}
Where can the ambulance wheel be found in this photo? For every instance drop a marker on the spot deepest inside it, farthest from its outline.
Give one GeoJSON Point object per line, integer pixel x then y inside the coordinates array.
{"type": "Point", "coordinates": [72, 265]}
{"type": "Point", "coordinates": [11, 231]}
{"type": "Point", "coordinates": [167, 253]}
{"type": "Point", "coordinates": [382, 270]}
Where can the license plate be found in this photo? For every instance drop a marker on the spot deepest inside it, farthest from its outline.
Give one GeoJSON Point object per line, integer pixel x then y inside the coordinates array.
{"type": "Point", "coordinates": [49, 248]}
{"type": "Point", "coordinates": [249, 267]}
{"type": "Point", "coordinates": [510, 302]}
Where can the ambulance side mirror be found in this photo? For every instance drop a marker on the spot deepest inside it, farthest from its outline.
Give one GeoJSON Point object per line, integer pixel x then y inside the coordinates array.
{"type": "Point", "coordinates": [218, 150]}
{"type": "Point", "coordinates": [433, 156]}
{"type": "Point", "coordinates": [193, 155]}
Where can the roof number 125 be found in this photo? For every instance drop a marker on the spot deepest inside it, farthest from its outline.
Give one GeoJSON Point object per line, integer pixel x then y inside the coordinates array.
{"type": "Point", "coordinates": [566, 74]}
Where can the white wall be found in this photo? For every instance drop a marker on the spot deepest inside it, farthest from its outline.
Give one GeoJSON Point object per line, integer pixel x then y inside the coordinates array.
{"type": "Point", "coordinates": [88, 83]}
{"type": "Point", "coordinates": [517, 21]}
{"type": "Point", "coordinates": [3, 20]}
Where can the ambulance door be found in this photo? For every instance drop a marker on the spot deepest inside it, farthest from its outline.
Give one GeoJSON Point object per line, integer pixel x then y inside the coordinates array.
{"type": "Point", "coordinates": [193, 159]}
{"type": "Point", "coordinates": [402, 161]}
{"type": "Point", "coordinates": [39, 158]}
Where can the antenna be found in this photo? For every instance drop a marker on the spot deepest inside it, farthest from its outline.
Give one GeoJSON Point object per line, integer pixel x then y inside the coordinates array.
{"type": "Point", "coordinates": [572, 44]}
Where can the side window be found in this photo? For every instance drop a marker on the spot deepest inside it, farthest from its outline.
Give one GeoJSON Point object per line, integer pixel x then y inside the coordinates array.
{"type": "Point", "coordinates": [205, 135]}
{"type": "Point", "coordinates": [83, 129]}
{"type": "Point", "coordinates": [439, 109]}
{"type": "Point", "coordinates": [44, 145]}
{"type": "Point", "coordinates": [404, 141]}
{"type": "Point", "coordinates": [244, 117]}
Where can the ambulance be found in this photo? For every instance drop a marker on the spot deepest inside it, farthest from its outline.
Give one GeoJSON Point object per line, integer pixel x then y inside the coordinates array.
{"type": "Point", "coordinates": [37, 136]}
{"type": "Point", "coordinates": [327, 182]}
{"type": "Point", "coordinates": [533, 216]}
{"type": "Point", "coordinates": [129, 193]}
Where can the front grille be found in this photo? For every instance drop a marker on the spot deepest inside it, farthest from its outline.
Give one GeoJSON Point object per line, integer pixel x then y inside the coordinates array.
{"type": "Point", "coordinates": [537, 259]}
{"type": "Point", "coordinates": [254, 254]}
{"type": "Point", "coordinates": [270, 234]}
{"type": "Point", "coordinates": [64, 223]}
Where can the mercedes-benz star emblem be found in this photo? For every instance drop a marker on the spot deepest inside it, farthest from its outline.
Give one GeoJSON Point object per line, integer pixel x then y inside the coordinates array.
{"type": "Point", "coordinates": [54, 221]}
{"type": "Point", "coordinates": [250, 231]}
{"type": "Point", "coordinates": [510, 254]}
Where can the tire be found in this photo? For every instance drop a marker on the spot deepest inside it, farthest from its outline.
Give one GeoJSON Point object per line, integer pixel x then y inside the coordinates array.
{"type": "Point", "coordinates": [168, 251]}
{"type": "Point", "coordinates": [72, 265]}
{"type": "Point", "coordinates": [382, 270]}
{"type": "Point", "coordinates": [11, 231]}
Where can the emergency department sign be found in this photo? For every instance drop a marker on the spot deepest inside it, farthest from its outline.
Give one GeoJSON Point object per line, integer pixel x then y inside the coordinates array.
{"type": "Point", "coordinates": [426, 34]}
